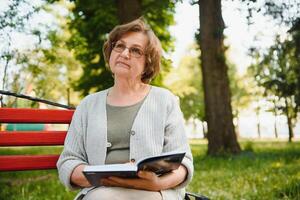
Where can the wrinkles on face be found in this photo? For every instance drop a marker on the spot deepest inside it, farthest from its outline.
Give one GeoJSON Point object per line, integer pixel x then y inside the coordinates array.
{"type": "Point", "coordinates": [122, 63]}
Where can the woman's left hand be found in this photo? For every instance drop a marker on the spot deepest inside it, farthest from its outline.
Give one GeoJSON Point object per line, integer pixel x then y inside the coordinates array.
{"type": "Point", "coordinates": [147, 181]}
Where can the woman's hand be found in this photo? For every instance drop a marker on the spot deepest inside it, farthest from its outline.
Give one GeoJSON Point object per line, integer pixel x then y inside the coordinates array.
{"type": "Point", "coordinates": [146, 181]}
{"type": "Point", "coordinates": [149, 180]}
{"type": "Point", "coordinates": [77, 177]}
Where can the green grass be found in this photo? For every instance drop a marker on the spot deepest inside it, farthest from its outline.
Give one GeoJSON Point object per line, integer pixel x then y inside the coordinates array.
{"type": "Point", "coordinates": [265, 170]}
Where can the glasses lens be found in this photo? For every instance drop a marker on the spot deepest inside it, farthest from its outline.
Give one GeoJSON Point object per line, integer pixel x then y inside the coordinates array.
{"type": "Point", "coordinates": [119, 47]}
{"type": "Point", "coordinates": [136, 52]}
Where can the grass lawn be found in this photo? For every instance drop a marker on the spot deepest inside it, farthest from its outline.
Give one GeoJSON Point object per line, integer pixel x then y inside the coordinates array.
{"type": "Point", "coordinates": [265, 170]}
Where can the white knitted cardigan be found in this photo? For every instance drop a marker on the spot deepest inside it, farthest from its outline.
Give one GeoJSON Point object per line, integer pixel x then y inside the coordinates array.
{"type": "Point", "coordinates": [158, 127]}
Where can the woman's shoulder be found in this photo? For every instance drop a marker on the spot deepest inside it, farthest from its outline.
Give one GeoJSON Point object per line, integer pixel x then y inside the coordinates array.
{"type": "Point", "coordinates": [162, 92]}
{"type": "Point", "coordinates": [164, 97]}
{"type": "Point", "coordinates": [95, 97]}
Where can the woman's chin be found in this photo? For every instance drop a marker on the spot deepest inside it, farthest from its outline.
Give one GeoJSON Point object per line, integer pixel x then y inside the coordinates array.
{"type": "Point", "coordinates": [122, 74]}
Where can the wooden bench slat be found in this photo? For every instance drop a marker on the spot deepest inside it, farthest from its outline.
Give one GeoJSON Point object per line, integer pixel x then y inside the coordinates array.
{"type": "Point", "coordinates": [26, 162]}
{"type": "Point", "coordinates": [25, 115]}
{"type": "Point", "coordinates": [32, 138]}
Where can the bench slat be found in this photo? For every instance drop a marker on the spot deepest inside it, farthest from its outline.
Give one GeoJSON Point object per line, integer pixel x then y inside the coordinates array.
{"type": "Point", "coordinates": [25, 115]}
{"type": "Point", "coordinates": [32, 138]}
{"type": "Point", "coordinates": [26, 162]}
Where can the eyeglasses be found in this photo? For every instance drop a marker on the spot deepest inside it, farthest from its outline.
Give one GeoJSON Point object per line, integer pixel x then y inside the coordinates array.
{"type": "Point", "coordinates": [134, 51]}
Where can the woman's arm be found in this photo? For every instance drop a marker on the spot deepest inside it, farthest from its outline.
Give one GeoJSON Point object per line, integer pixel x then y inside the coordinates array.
{"type": "Point", "coordinates": [73, 154]}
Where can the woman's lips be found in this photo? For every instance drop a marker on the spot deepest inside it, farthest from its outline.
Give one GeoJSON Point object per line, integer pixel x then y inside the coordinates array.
{"type": "Point", "coordinates": [122, 63]}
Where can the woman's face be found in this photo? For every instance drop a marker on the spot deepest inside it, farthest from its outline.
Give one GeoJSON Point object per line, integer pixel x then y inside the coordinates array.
{"type": "Point", "coordinates": [127, 59]}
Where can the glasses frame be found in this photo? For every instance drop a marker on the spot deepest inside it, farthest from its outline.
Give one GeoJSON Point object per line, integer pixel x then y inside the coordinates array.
{"type": "Point", "coordinates": [130, 50]}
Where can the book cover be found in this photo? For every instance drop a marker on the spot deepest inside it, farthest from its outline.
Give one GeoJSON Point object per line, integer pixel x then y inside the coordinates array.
{"type": "Point", "coordinates": [158, 164]}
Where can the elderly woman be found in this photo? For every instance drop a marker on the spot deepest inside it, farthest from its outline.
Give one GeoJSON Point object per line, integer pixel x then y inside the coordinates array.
{"type": "Point", "coordinates": [127, 122]}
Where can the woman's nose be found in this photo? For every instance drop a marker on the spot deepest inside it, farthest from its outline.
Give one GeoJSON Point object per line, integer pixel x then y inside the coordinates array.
{"type": "Point", "coordinates": [125, 53]}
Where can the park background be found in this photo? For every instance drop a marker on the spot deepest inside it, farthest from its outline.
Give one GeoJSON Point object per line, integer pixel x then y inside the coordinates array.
{"type": "Point", "coordinates": [52, 50]}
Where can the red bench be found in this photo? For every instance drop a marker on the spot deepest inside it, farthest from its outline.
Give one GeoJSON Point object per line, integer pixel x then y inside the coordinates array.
{"type": "Point", "coordinates": [37, 138]}
{"type": "Point", "coordinates": [31, 138]}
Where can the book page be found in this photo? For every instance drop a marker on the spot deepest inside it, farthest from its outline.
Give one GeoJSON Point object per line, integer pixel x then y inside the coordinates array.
{"type": "Point", "coordinates": [111, 168]}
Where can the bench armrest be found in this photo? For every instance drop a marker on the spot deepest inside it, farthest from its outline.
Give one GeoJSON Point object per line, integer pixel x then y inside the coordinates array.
{"type": "Point", "coordinates": [189, 196]}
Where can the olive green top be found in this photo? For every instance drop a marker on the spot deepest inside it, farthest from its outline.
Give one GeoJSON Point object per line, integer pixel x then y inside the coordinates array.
{"type": "Point", "coordinates": [119, 123]}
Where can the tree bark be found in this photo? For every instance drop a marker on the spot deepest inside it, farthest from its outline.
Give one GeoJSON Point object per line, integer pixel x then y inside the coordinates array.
{"type": "Point", "coordinates": [204, 130]}
{"type": "Point", "coordinates": [218, 111]}
{"type": "Point", "coordinates": [289, 120]}
{"type": "Point", "coordinates": [257, 110]}
{"type": "Point", "coordinates": [275, 119]}
{"type": "Point", "coordinates": [237, 126]}
{"type": "Point", "coordinates": [128, 10]}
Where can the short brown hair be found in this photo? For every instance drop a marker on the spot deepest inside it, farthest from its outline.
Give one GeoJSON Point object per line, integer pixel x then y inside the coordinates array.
{"type": "Point", "coordinates": [153, 49]}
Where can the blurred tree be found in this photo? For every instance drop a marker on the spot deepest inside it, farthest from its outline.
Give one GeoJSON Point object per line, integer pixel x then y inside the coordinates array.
{"type": "Point", "coordinates": [214, 68]}
{"type": "Point", "coordinates": [186, 82]}
{"type": "Point", "coordinates": [218, 110]}
{"type": "Point", "coordinates": [283, 12]}
{"type": "Point", "coordinates": [53, 68]}
{"type": "Point", "coordinates": [12, 21]}
{"type": "Point", "coordinates": [91, 22]}
{"type": "Point", "coordinates": [295, 42]}
{"type": "Point", "coordinates": [258, 93]}
{"type": "Point", "coordinates": [275, 111]}
{"type": "Point", "coordinates": [278, 72]}
{"type": "Point", "coordinates": [239, 87]}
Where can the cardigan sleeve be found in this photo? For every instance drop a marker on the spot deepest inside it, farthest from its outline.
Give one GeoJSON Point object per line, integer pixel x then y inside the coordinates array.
{"type": "Point", "coordinates": [73, 153]}
{"type": "Point", "coordinates": [176, 139]}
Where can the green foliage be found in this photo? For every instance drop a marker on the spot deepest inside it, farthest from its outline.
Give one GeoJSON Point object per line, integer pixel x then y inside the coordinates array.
{"type": "Point", "coordinates": [47, 68]}
{"type": "Point", "coordinates": [278, 72]}
{"type": "Point", "coordinates": [92, 21]}
{"type": "Point", "coordinates": [53, 68]}
{"type": "Point", "coordinates": [283, 12]}
{"type": "Point", "coordinates": [13, 21]}
{"type": "Point", "coordinates": [186, 82]}
{"type": "Point", "coordinates": [295, 33]}
{"type": "Point", "coordinates": [240, 90]}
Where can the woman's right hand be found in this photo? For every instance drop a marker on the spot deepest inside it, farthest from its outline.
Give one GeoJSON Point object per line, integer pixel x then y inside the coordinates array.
{"type": "Point", "coordinates": [77, 177]}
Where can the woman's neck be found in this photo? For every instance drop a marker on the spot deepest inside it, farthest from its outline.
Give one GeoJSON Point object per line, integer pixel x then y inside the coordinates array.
{"type": "Point", "coordinates": [125, 93]}
{"type": "Point", "coordinates": [128, 88]}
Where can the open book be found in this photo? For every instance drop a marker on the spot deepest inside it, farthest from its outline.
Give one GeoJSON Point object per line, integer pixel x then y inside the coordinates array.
{"type": "Point", "coordinates": [158, 164]}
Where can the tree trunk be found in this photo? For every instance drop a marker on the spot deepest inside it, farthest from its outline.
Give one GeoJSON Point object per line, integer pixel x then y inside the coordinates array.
{"type": "Point", "coordinates": [258, 120]}
{"type": "Point", "coordinates": [4, 80]}
{"type": "Point", "coordinates": [128, 10]}
{"type": "Point", "coordinates": [237, 126]}
{"type": "Point", "coordinates": [204, 130]}
{"type": "Point", "coordinates": [258, 128]}
{"type": "Point", "coordinates": [218, 111]}
{"type": "Point", "coordinates": [69, 96]}
{"type": "Point", "coordinates": [275, 119]}
{"type": "Point", "coordinates": [289, 120]}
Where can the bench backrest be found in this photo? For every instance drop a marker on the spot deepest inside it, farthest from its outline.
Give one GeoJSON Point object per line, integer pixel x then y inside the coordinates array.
{"type": "Point", "coordinates": [31, 138]}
